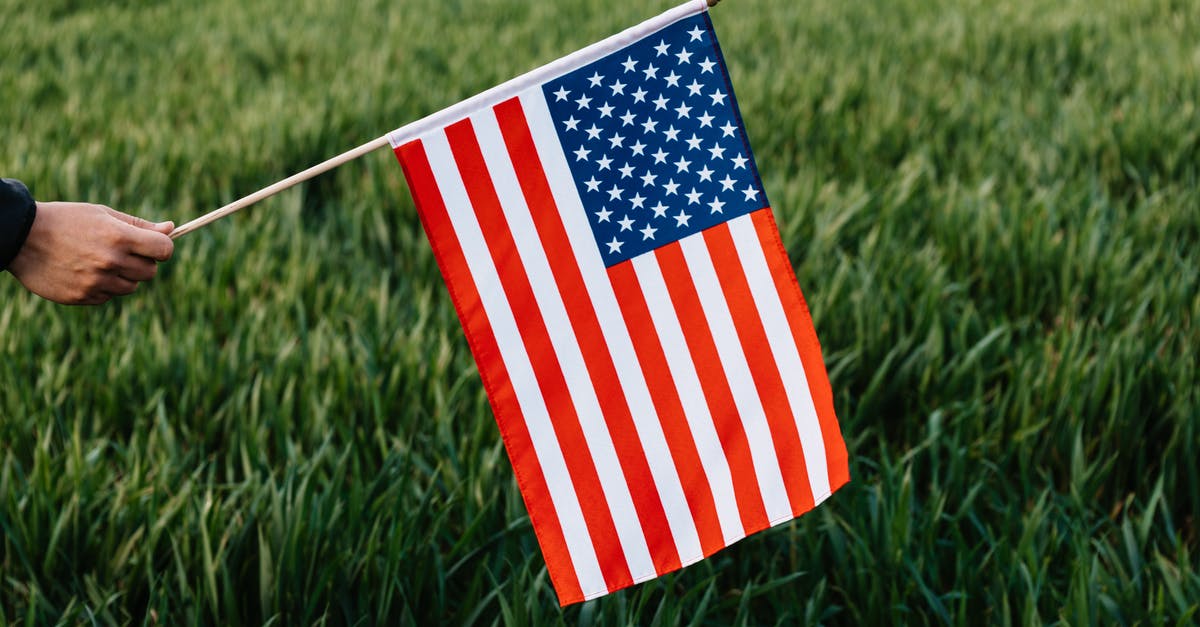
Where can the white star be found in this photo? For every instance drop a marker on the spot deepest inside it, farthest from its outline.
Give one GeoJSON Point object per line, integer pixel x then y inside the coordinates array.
{"type": "Point", "coordinates": [595, 79]}
{"type": "Point", "coordinates": [717, 151]}
{"type": "Point", "coordinates": [606, 110]}
{"type": "Point", "coordinates": [615, 193]}
{"type": "Point", "coordinates": [583, 102]}
{"type": "Point", "coordinates": [561, 94]}
{"type": "Point", "coordinates": [648, 232]}
{"type": "Point", "coordinates": [694, 88]}
{"type": "Point", "coordinates": [615, 140]}
{"type": "Point", "coordinates": [638, 147]}
{"type": "Point", "coordinates": [627, 119]}
{"type": "Point", "coordinates": [716, 205]}
{"type": "Point", "coordinates": [638, 201]}
{"type": "Point", "coordinates": [706, 66]}
{"type": "Point", "coordinates": [640, 95]}
{"type": "Point", "coordinates": [648, 178]}
{"type": "Point", "coordinates": [684, 56]}
{"type": "Point", "coordinates": [581, 154]}
{"type": "Point", "coordinates": [660, 156]}
{"type": "Point", "coordinates": [659, 209]}
{"type": "Point", "coordinates": [693, 197]}
{"type": "Point", "coordinates": [660, 103]}
{"type": "Point", "coordinates": [673, 79]}
{"type": "Point", "coordinates": [706, 120]}
{"type": "Point", "coordinates": [682, 218]}
{"type": "Point", "coordinates": [617, 88]}
{"type": "Point", "coordinates": [739, 162]}
{"type": "Point", "coordinates": [671, 133]}
{"type": "Point", "coordinates": [629, 64]}
{"type": "Point", "coordinates": [603, 162]}
{"type": "Point", "coordinates": [594, 132]}
{"type": "Point", "coordinates": [593, 185]}
{"type": "Point", "coordinates": [614, 246]}
{"type": "Point", "coordinates": [727, 130]}
{"type": "Point", "coordinates": [602, 215]}
{"type": "Point", "coordinates": [696, 33]}
{"type": "Point", "coordinates": [750, 192]}
{"type": "Point", "coordinates": [661, 48]}
{"type": "Point", "coordinates": [718, 97]}
{"type": "Point", "coordinates": [649, 125]}
{"type": "Point", "coordinates": [705, 174]}
{"type": "Point", "coordinates": [650, 72]}
{"type": "Point", "coordinates": [693, 143]}
{"type": "Point", "coordinates": [626, 224]}
{"type": "Point", "coordinates": [683, 110]}
{"type": "Point", "coordinates": [727, 184]}
{"type": "Point", "coordinates": [682, 165]}
{"type": "Point", "coordinates": [671, 187]}
{"type": "Point", "coordinates": [571, 123]}
{"type": "Point", "coordinates": [626, 171]}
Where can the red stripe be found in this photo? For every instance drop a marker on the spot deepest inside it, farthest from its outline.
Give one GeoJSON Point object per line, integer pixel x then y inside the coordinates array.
{"type": "Point", "coordinates": [500, 393]}
{"type": "Point", "coordinates": [725, 415]}
{"type": "Point", "coordinates": [767, 380]}
{"type": "Point", "coordinates": [590, 336]}
{"type": "Point", "coordinates": [806, 341]}
{"type": "Point", "coordinates": [532, 327]}
{"type": "Point", "coordinates": [668, 406]}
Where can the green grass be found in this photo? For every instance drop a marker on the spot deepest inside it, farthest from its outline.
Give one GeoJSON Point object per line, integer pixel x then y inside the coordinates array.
{"type": "Point", "coordinates": [993, 208]}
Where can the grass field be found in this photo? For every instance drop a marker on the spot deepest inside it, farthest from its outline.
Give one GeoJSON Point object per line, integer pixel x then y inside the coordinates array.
{"type": "Point", "coordinates": [993, 208]}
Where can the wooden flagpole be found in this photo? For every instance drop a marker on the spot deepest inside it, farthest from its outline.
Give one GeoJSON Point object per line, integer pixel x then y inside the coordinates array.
{"type": "Point", "coordinates": [292, 180]}
{"type": "Point", "coordinates": [271, 190]}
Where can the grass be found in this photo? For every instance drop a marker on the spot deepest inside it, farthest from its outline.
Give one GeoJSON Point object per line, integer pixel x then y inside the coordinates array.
{"type": "Point", "coordinates": [993, 208]}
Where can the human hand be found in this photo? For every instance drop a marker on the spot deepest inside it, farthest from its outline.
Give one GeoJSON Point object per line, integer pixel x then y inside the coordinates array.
{"type": "Point", "coordinates": [83, 254]}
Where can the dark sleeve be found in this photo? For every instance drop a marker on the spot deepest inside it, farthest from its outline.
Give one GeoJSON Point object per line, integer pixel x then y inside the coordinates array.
{"type": "Point", "coordinates": [17, 210]}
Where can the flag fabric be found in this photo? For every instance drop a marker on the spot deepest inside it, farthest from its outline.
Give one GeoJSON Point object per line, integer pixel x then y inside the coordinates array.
{"type": "Point", "coordinates": [645, 347]}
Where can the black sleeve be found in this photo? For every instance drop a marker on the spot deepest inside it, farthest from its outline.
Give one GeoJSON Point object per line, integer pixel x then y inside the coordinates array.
{"type": "Point", "coordinates": [17, 210]}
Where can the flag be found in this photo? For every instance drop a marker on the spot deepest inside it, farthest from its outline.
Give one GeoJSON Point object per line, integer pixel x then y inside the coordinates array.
{"type": "Point", "coordinates": [605, 237]}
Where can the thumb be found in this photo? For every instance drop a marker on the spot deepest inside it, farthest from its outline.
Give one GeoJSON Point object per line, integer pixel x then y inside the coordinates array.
{"type": "Point", "coordinates": [141, 223]}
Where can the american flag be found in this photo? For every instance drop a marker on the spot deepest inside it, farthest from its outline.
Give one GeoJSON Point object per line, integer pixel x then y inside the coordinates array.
{"type": "Point", "coordinates": [645, 347]}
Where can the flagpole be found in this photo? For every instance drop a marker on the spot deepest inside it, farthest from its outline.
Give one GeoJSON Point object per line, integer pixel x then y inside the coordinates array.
{"type": "Point", "coordinates": [294, 179]}
{"type": "Point", "coordinates": [275, 188]}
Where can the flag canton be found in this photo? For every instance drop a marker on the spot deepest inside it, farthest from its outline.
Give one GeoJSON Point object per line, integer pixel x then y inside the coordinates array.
{"type": "Point", "coordinates": [655, 141]}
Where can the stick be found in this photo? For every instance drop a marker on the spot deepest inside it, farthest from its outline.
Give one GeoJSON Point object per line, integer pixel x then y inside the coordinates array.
{"type": "Point", "coordinates": [271, 190]}
{"type": "Point", "coordinates": [370, 146]}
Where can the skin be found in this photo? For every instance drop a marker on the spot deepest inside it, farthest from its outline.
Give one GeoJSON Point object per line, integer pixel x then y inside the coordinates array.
{"type": "Point", "coordinates": [85, 254]}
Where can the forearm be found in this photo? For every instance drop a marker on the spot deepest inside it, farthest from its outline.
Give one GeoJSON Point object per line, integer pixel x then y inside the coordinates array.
{"type": "Point", "coordinates": [17, 210]}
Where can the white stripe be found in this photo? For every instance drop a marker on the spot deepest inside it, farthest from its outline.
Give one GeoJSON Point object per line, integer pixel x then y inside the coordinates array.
{"type": "Point", "coordinates": [565, 344]}
{"type": "Point", "coordinates": [566, 196]}
{"type": "Point", "coordinates": [612, 325]}
{"type": "Point", "coordinates": [691, 395]}
{"type": "Point", "coordinates": [784, 350]}
{"type": "Point", "coordinates": [737, 371]}
{"type": "Point", "coordinates": [516, 361]}
{"type": "Point", "coordinates": [545, 73]}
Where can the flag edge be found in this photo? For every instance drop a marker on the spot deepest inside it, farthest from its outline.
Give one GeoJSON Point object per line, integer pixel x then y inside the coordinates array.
{"type": "Point", "coordinates": [543, 73]}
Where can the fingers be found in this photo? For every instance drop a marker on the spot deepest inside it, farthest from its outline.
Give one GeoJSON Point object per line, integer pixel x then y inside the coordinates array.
{"type": "Point", "coordinates": [117, 286]}
{"type": "Point", "coordinates": [146, 244]}
{"type": "Point", "coordinates": [146, 238]}
{"type": "Point", "coordinates": [128, 219]}
{"type": "Point", "coordinates": [153, 244]}
{"type": "Point", "coordinates": [103, 291]}
{"type": "Point", "coordinates": [137, 268]}
{"type": "Point", "coordinates": [141, 223]}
